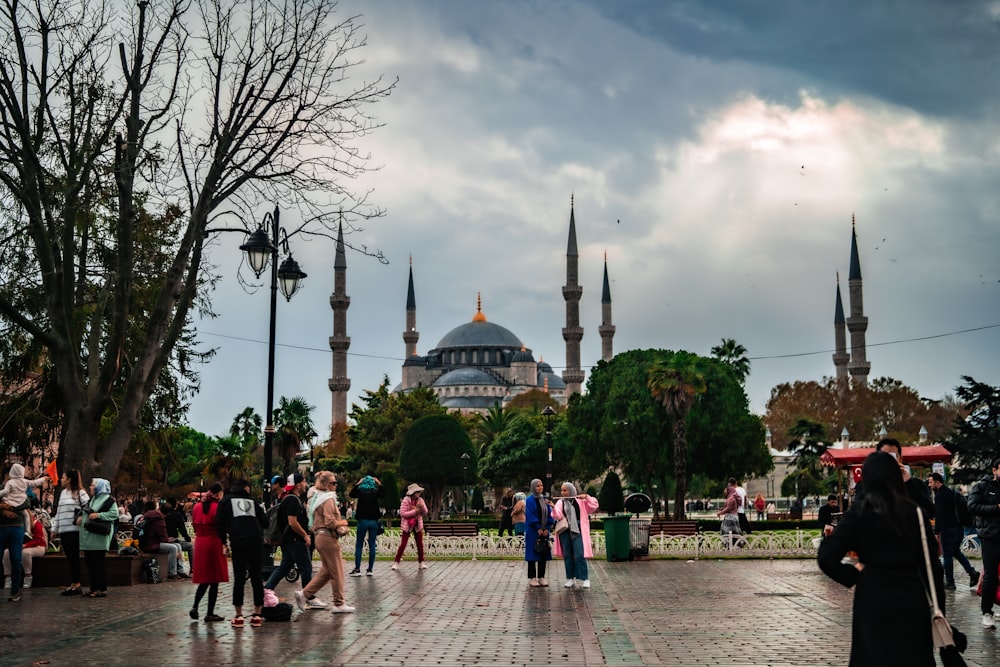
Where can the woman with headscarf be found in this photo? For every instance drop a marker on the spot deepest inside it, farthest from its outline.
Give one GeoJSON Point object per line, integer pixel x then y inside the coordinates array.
{"type": "Point", "coordinates": [367, 491]}
{"type": "Point", "coordinates": [326, 523]}
{"type": "Point", "coordinates": [209, 566]}
{"type": "Point", "coordinates": [890, 618]}
{"type": "Point", "coordinates": [412, 511]}
{"type": "Point", "coordinates": [573, 544]}
{"type": "Point", "coordinates": [97, 528]}
{"type": "Point", "coordinates": [72, 500]}
{"type": "Point", "coordinates": [537, 523]}
{"type": "Point", "coordinates": [517, 513]}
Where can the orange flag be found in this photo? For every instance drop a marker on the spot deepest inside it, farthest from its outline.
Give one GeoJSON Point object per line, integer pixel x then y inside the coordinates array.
{"type": "Point", "coordinates": [53, 474]}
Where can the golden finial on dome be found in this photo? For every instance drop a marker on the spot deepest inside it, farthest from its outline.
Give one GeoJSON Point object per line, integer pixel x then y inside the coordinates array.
{"type": "Point", "coordinates": [479, 317]}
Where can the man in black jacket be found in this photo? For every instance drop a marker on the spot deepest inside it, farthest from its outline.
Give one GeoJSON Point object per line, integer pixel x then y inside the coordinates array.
{"type": "Point", "coordinates": [241, 523]}
{"type": "Point", "coordinates": [948, 525]}
{"type": "Point", "coordinates": [984, 504]}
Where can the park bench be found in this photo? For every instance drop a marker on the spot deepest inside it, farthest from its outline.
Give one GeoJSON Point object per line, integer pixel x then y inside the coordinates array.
{"type": "Point", "coordinates": [673, 528]}
{"type": "Point", "coordinates": [451, 528]}
{"type": "Point", "coordinates": [52, 569]}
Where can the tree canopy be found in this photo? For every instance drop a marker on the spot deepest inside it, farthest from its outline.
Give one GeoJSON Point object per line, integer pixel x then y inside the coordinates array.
{"type": "Point", "coordinates": [131, 134]}
{"type": "Point", "coordinates": [520, 453]}
{"type": "Point", "coordinates": [618, 423]}
{"type": "Point", "coordinates": [976, 438]}
{"type": "Point", "coordinates": [432, 457]}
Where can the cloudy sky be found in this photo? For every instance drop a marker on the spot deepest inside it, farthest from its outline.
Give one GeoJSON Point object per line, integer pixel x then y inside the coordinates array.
{"type": "Point", "coordinates": [716, 153]}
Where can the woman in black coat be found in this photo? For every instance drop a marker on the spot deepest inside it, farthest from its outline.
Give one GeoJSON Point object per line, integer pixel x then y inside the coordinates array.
{"type": "Point", "coordinates": [891, 623]}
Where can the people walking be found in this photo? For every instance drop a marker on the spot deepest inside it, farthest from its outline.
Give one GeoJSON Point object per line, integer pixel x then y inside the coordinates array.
{"type": "Point", "coordinates": [208, 566]}
{"type": "Point", "coordinates": [328, 525]}
{"type": "Point", "coordinates": [368, 492]}
{"type": "Point", "coordinates": [538, 523]}
{"type": "Point", "coordinates": [241, 524]}
{"type": "Point", "coordinates": [72, 499]}
{"type": "Point", "coordinates": [573, 544]}
{"type": "Point", "coordinates": [412, 511]}
{"type": "Point", "coordinates": [984, 503]}
{"type": "Point", "coordinates": [949, 527]}
{"type": "Point", "coordinates": [730, 515]}
{"type": "Point", "coordinates": [890, 619]}
{"type": "Point", "coordinates": [96, 532]}
{"type": "Point", "coordinates": [296, 540]}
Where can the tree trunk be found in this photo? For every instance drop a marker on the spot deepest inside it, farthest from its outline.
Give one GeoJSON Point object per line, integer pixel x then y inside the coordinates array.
{"type": "Point", "coordinates": [680, 466]}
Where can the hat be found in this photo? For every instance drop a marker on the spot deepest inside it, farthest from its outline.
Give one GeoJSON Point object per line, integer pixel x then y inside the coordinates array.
{"type": "Point", "coordinates": [295, 478]}
{"type": "Point", "coordinates": [413, 488]}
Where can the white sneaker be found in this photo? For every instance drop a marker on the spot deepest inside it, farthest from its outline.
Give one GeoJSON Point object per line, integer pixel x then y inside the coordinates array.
{"type": "Point", "coordinates": [988, 621]}
{"type": "Point", "coordinates": [369, 573]}
{"type": "Point", "coordinates": [6, 583]}
{"type": "Point", "coordinates": [342, 609]}
{"type": "Point", "coordinates": [422, 566]}
{"type": "Point", "coordinates": [395, 566]}
{"type": "Point", "coordinates": [27, 581]}
{"type": "Point", "coordinates": [533, 583]}
{"type": "Point", "coordinates": [569, 583]}
{"type": "Point", "coordinates": [355, 573]}
{"type": "Point", "coordinates": [316, 603]}
{"type": "Point", "coordinates": [300, 600]}
{"type": "Point", "coordinates": [585, 583]}
{"type": "Point", "coordinates": [542, 581]}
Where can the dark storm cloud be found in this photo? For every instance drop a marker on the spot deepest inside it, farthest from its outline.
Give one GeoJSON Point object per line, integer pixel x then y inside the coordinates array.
{"type": "Point", "coordinates": [937, 57]}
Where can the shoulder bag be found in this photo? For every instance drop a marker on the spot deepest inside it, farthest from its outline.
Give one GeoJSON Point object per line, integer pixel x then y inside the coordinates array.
{"type": "Point", "coordinates": [562, 525]}
{"type": "Point", "coordinates": [100, 526]}
{"type": "Point", "coordinates": [943, 634]}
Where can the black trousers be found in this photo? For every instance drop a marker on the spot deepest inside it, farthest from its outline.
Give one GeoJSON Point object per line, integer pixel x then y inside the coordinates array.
{"type": "Point", "coordinates": [247, 559]}
{"type": "Point", "coordinates": [991, 563]}
{"type": "Point", "coordinates": [71, 547]}
{"type": "Point", "coordinates": [96, 569]}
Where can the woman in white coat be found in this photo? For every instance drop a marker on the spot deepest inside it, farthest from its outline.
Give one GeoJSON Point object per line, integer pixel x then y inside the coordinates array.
{"type": "Point", "coordinates": [573, 544]}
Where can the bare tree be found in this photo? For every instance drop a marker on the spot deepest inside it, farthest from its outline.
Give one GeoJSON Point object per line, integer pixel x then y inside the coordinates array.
{"type": "Point", "coordinates": [125, 133]}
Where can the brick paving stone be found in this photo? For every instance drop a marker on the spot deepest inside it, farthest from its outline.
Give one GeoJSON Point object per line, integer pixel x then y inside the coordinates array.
{"type": "Point", "coordinates": [707, 613]}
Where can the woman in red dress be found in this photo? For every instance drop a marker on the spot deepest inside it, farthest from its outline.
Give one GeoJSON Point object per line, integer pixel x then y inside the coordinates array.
{"type": "Point", "coordinates": [209, 565]}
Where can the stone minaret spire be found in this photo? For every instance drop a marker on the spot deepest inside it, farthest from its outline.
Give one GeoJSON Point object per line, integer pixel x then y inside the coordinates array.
{"type": "Point", "coordinates": [339, 342]}
{"type": "Point", "coordinates": [411, 335]}
{"type": "Point", "coordinates": [572, 332]}
{"type": "Point", "coordinates": [857, 323]}
{"type": "Point", "coordinates": [607, 329]}
{"type": "Point", "coordinates": [840, 356]}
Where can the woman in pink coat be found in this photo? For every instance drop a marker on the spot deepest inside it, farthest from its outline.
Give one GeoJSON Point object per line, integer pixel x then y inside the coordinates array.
{"type": "Point", "coordinates": [573, 544]}
{"type": "Point", "coordinates": [412, 510]}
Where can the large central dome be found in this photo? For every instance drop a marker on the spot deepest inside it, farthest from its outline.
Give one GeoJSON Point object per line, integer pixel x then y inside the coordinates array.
{"type": "Point", "coordinates": [479, 334]}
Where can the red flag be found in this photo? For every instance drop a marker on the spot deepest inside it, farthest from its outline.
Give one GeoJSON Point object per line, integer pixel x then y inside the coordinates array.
{"type": "Point", "coordinates": [53, 474]}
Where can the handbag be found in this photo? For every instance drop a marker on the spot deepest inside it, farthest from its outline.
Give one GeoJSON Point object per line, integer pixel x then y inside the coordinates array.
{"type": "Point", "coordinates": [98, 527]}
{"type": "Point", "coordinates": [542, 546]}
{"type": "Point", "coordinates": [945, 637]}
{"type": "Point", "coordinates": [562, 525]}
{"type": "Point", "coordinates": [380, 528]}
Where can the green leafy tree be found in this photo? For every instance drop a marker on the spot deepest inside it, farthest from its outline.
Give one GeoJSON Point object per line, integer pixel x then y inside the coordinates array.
{"type": "Point", "coordinates": [611, 498]}
{"type": "Point", "coordinates": [733, 355]}
{"type": "Point", "coordinates": [115, 121]}
{"type": "Point", "coordinates": [520, 453]}
{"type": "Point", "coordinates": [293, 424]}
{"type": "Point", "coordinates": [488, 426]}
{"type": "Point", "coordinates": [393, 496]}
{"type": "Point", "coordinates": [432, 456]}
{"type": "Point", "coordinates": [806, 444]}
{"type": "Point", "coordinates": [976, 438]}
{"type": "Point", "coordinates": [379, 427]}
{"type": "Point", "coordinates": [232, 457]}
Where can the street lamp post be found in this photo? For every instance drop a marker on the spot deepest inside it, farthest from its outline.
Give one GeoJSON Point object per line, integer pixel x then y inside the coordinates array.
{"type": "Point", "coordinates": [261, 250]}
{"type": "Point", "coordinates": [465, 482]}
{"type": "Point", "coordinates": [548, 413]}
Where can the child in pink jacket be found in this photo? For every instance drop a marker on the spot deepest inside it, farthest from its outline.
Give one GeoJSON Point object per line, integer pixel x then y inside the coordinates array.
{"type": "Point", "coordinates": [573, 544]}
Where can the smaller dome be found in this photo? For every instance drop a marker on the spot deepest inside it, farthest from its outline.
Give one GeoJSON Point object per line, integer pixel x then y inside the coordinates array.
{"type": "Point", "coordinates": [522, 355]}
{"type": "Point", "coordinates": [544, 367]}
{"type": "Point", "coordinates": [465, 376]}
{"type": "Point", "coordinates": [555, 382]}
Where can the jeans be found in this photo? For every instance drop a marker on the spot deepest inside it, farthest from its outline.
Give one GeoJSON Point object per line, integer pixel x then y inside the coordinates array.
{"type": "Point", "coordinates": [367, 529]}
{"type": "Point", "coordinates": [173, 551]}
{"type": "Point", "coordinates": [292, 552]}
{"type": "Point", "coordinates": [991, 561]}
{"type": "Point", "coordinates": [571, 545]}
{"type": "Point", "coordinates": [951, 549]}
{"type": "Point", "coordinates": [12, 539]}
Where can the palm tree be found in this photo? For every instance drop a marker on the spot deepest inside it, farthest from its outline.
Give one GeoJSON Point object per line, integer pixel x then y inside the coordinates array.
{"type": "Point", "coordinates": [292, 422]}
{"type": "Point", "coordinates": [676, 384]}
{"type": "Point", "coordinates": [732, 353]}
{"type": "Point", "coordinates": [806, 443]}
{"type": "Point", "coordinates": [490, 425]}
{"type": "Point", "coordinates": [247, 427]}
{"type": "Point", "coordinates": [233, 459]}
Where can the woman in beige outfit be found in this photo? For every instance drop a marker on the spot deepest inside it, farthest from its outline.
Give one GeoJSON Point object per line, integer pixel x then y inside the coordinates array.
{"type": "Point", "coordinates": [326, 524]}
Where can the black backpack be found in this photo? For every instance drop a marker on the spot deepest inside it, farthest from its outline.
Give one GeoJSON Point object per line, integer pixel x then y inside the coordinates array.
{"type": "Point", "coordinates": [278, 613]}
{"type": "Point", "coordinates": [274, 534]}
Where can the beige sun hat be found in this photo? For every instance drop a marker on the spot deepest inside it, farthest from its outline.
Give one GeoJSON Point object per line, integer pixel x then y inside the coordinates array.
{"type": "Point", "coordinates": [413, 488]}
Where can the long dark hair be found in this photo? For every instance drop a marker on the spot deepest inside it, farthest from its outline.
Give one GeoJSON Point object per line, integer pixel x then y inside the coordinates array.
{"type": "Point", "coordinates": [885, 496]}
{"type": "Point", "coordinates": [75, 481]}
{"type": "Point", "coordinates": [208, 498]}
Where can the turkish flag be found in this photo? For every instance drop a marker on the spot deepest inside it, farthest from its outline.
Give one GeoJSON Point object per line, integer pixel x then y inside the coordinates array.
{"type": "Point", "coordinates": [856, 473]}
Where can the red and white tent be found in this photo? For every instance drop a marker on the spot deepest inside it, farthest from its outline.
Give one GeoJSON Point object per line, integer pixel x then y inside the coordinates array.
{"type": "Point", "coordinates": [915, 455]}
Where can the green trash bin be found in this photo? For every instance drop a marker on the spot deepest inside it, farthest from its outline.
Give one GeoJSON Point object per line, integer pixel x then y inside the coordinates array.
{"type": "Point", "coordinates": [617, 538]}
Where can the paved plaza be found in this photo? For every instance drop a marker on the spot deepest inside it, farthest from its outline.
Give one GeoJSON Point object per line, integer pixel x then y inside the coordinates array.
{"type": "Point", "coordinates": [783, 613]}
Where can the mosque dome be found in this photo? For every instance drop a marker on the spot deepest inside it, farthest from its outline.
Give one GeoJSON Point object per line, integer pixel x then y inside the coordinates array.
{"type": "Point", "coordinates": [522, 355]}
{"type": "Point", "coordinates": [465, 376]}
{"type": "Point", "coordinates": [479, 333]}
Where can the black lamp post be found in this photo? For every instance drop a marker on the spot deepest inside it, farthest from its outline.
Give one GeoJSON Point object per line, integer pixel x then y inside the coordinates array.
{"type": "Point", "coordinates": [548, 413]}
{"type": "Point", "coordinates": [465, 482]}
{"type": "Point", "coordinates": [261, 249]}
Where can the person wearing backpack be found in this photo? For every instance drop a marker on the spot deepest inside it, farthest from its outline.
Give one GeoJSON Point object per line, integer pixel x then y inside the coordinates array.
{"type": "Point", "coordinates": [948, 525]}
{"type": "Point", "coordinates": [296, 540]}
{"type": "Point", "coordinates": [241, 524]}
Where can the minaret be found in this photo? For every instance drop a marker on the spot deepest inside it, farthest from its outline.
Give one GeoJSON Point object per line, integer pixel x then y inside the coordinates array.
{"type": "Point", "coordinates": [857, 323]}
{"type": "Point", "coordinates": [607, 329]}
{"type": "Point", "coordinates": [572, 332]}
{"type": "Point", "coordinates": [339, 342]}
{"type": "Point", "coordinates": [411, 335]}
{"type": "Point", "coordinates": [840, 356]}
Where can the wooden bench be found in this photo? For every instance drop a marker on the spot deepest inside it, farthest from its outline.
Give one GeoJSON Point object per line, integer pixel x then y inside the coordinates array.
{"type": "Point", "coordinates": [451, 528]}
{"type": "Point", "coordinates": [52, 569]}
{"type": "Point", "coordinates": [673, 528]}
